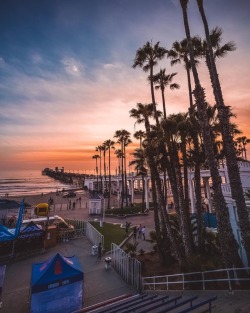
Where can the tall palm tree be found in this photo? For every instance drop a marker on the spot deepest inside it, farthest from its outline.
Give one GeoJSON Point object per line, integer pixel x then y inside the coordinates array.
{"type": "Point", "coordinates": [100, 149]}
{"type": "Point", "coordinates": [104, 149]}
{"type": "Point", "coordinates": [164, 232]}
{"type": "Point", "coordinates": [229, 247]}
{"type": "Point", "coordinates": [124, 140]}
{"type": "Point", "coordinates": [162, 81]}
{"type": "Point", "coordinates": [147, 58]}
{"type": "Point", "coordinates": [140, 134]}
{"type": "Point", "coordinates": [96, 156]}
{"type": "Point", "coordinates": [170, 126]}
{"type": "Point", "coordinates": [179, 53]}
{"type": "Point", "coordinates": [242, 142]}
{"type": "Point", "coordinates": [230, 153]}
{"type": "Point", "coordinates": [119, 156]}
{"type": "Point", "coordinates": [109, 144]}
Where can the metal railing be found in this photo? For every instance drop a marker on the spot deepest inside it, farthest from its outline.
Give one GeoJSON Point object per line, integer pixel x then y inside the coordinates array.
{"type": "Point", "coordinates": [78, 232]}
{"type": "Point", "coordinates": [223, 279]}
{"type": "Point", "coordinates": [126, 266]}
{"type": "Point", "coordinates": [93, 235]}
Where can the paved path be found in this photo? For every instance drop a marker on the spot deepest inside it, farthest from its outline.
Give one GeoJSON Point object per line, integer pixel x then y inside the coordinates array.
{"type": "Point", "coordinates": [99, 284]}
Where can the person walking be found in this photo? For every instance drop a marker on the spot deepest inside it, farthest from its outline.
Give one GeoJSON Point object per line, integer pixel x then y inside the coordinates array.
{"type": "Point", "coordinates": [134, 232]}
{"type": "Point", "coordinates": [139, 231]}
{"type": "Point", "coordinates": [143, 231]}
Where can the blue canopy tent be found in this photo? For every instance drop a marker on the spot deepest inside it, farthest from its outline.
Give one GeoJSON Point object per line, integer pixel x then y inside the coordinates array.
{"type": "Point", "coordinates": [56, 285]}
{"type": "Point", "coordinates": [5, 234]}
{"type": "Point", "coordinates": [31, 230]}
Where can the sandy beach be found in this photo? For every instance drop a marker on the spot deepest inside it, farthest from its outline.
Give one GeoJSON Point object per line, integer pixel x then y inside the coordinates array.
{"type": "Point", "coordinates": [61, 206]}
{"type": "Point", "coordinates": [81, 210]}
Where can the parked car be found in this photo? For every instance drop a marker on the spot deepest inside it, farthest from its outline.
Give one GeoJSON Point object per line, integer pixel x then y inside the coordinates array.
{"type": "Point", "coordinates": [69, 194]}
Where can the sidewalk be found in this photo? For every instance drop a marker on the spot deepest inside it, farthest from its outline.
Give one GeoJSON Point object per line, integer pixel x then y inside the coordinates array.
{"type": "Point", "coordinates": [99, 284]}
{"type": "Point", "coordinates": [145, 245]}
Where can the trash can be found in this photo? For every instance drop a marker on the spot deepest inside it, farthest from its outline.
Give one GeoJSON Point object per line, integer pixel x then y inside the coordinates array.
{"type": "Point", "coordinates": [108, 263]}
{"type": "Point", "coordinates": [94, 250]}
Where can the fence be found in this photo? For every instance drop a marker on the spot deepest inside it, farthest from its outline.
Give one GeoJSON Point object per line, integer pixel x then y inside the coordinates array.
{"type": "Point", "coordinates": [78, 232]}
{"type": "Point", "coordinates": [128, 267]}
{"type": "Point", "coordinates": [224, 279]}
{"type": "Point", "coordinates": [93, 235]}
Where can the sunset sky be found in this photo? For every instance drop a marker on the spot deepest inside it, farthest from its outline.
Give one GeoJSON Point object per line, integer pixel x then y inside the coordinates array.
{"type": "Point", "coordinates": [66, 77]}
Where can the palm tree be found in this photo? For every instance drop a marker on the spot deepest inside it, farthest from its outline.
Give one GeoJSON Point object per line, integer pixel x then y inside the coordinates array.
{"type": "Point", "coordinates": [96, 156]}
{"type": "Point", "coordinates": [229, 247]}
{"type": "Point", "coordinates": [124, 140]}
{"type": "Point", "coordinates": [242, 142]}
{"type": "Point", "coordinates": [163, 229]}
{"type": "Point", "coordinates": [230, 153]}
{"type": "Point", "coordinates": [147, 57]}
{"type": "Point", "coordinates": [99, 149]}
{"type": "Point", "coordinates": [119, 156]}
{"type": "Point", "coordinates": [104, 149]}
{"type": "Point", "coordinates": [173, 140]}
{"type": "Point", "coordinates": [140, 134]}
{"type": "Point", "coordinates": [109, 144]}
{"type": "Point", "coordinates": [162, 81]}
{"type": "Point", "coordinates": [179, 53]}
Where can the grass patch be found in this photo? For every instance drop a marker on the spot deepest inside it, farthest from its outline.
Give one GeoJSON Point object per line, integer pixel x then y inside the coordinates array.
{"type": "Point", "coordinates": [112, 233]}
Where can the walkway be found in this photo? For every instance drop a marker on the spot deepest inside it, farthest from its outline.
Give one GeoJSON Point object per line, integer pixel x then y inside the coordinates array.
{"type": "Point", "coordinates": [99, 284]}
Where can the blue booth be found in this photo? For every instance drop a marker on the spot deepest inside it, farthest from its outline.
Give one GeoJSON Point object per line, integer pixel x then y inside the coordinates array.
{"type": "Point", "coordinates": [56, 285]}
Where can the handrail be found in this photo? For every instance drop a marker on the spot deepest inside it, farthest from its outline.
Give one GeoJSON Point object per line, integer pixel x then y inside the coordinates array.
{"type": "Point", "coordinates": [167, 280]}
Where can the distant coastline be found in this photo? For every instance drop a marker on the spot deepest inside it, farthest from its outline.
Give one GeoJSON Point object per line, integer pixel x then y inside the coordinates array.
{"type": "Point", "coordinates": [29, 182]}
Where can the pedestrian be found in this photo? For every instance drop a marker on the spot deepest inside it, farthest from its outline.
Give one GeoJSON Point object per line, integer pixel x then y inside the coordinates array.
{"type": "Point", "coordinates": [69, 204]}
{"type": "Point", "coordinates": [74, 205]}
{"type": "Point", "coordinates": [143, 231]}
{"type": "Point", "coordinates": [99, 251]}
{"type": "Point", "coordinates": [134, 232]}
{"type": "Point", "coordinates": [139, 231]}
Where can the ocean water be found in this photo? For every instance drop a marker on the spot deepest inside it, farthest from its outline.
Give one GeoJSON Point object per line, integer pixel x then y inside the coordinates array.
{"type": "Point", "coordinates": [25, 182]}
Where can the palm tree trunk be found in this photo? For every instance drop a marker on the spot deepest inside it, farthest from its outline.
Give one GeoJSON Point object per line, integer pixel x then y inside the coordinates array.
{"type": "Point", "coordinates": [96, 173]}
{"type": "Point", "coordinates": [228, 244]}
{"type": "Point", "coordinates": [153, 96]}
{"type": "Point", "coordinates": [143, 194]}
{"type": "Point", "coordinates": [163, 103]}
{"type": "Point", "coordinates": [125, 176]}
{"type": "Point", "coordinates": [229, 247]}
{"type": "Point", "coordinates": [158, 199]}
{"type": "Point", "coordinates": [109, 182]}
{"type": "Point", "coordinates": [189, 86]}
{"type": "Point", "coordinates": [122, 200]}
{"type": "Point", "coordinates": [167, 231]}
{"type": "Point", "coordinates": [184, 213]}
{"type": "Point", "coordinates": [231, 158]}
{"type": "Point", "coordinates": [101, 170]}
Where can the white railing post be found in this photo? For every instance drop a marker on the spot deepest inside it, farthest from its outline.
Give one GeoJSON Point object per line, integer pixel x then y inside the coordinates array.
{"type": "Point", "coordinates": [183, 281]}
{"type": "Point", "coordinates": [229, 282]}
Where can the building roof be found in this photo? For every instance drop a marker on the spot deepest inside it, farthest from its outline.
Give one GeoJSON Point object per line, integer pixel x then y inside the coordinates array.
{"type": "Point", "coordinates": [8, 204]}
